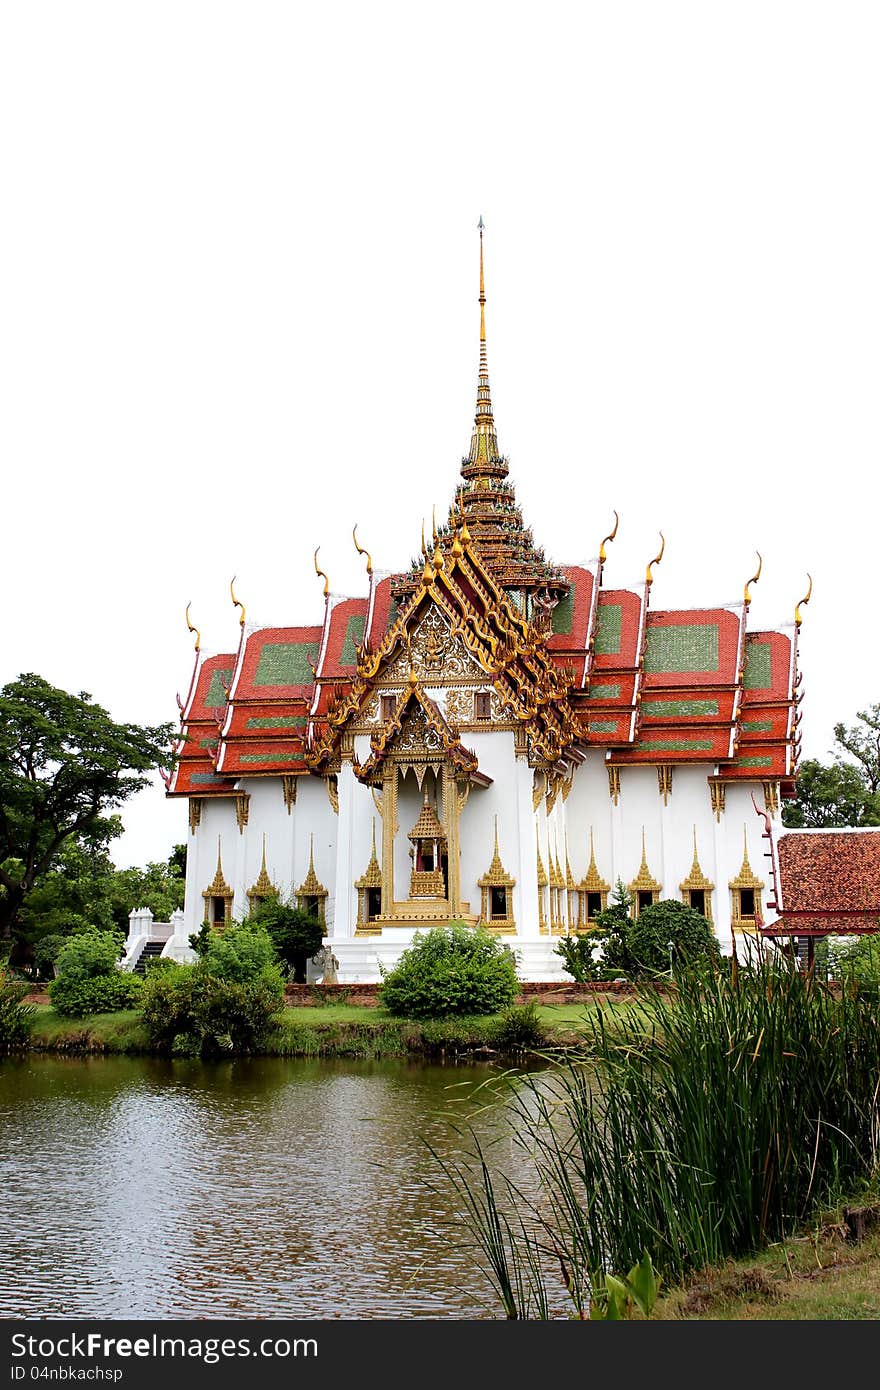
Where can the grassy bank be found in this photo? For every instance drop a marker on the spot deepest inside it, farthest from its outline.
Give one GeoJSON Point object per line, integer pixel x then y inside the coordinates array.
{"type": "Point", "coordinates": [329, 1030]}
{"type": "Point", "coordinates": [826, 1272]}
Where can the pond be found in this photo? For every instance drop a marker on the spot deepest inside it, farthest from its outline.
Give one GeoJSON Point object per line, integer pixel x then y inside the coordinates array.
{"type": "Point", "coordinates": [264, 1187]}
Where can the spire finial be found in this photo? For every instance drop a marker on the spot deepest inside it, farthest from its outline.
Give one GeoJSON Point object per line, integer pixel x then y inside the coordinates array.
{"type": "Point", "coordinates": [192, 628]}
{"type": "Point", "coordinates": [484, 445]}
{"type": "Point", "coordinates": [236, 601]}
{"type": "Point", "coordinates": [320, 573]}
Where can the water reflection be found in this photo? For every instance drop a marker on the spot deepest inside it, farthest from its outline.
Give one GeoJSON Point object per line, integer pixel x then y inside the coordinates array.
{"type": "Point", "coordinates": [256, 1188]}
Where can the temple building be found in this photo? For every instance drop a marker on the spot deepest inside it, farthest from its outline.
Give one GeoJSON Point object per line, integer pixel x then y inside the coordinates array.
{"type": "Point", "coordinates": [488, 738]}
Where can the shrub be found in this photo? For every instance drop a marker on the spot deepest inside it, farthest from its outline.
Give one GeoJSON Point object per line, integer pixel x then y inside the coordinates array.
{"type": "Point", "coordinates": [16, 1018]}
{"type": "Point", "coordinates": [518, 1028]}
{"type": "Point", "coordinates": [191, 1010]}
{"type": "Point", "coordinates": [74, 996]}
{"type": "Point", "coordinates": [88, 953]}
{"type": "Point", "coordinates": [451, 970]}
{"type": "Point", "coordinates": [577, 956]}
{"type": "Point", "coordinates": [88, 981]}
{"type": "Point", "coordinates": [668, 935]}
{"type": "Point", "coordinates": [240, 954]}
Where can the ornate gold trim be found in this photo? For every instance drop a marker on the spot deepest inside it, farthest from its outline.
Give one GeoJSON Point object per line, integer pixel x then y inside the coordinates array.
{"type": "Point", "coordinates": [613, 782]}
{"type": "Point", "coordinates": [644, 881]}
{"type": "Point", "coordinates": [263, 887]}
{"type": "Point", "coordinates": [717, 795]}
{"type": "Point", "coordinates": [664, 781]}
{"type": "Point", "coordinates": [496, 877]}
{"type": "Point", "coordinates": [332, 785]}
{"type": "Point", "coordinates": [697, 881]}
{"type": "Point", "coordinates": [288, 790]}
{"type": "Point", "coordinates": [592, 882]}
{"type": "Point", "coordinates": [242, 810]}
{"type": "Point", "coordinates": [219, 888]}
{"type": "Point", "coordinates": [746, 878]}
{"type": "Point", "coordinates": [771, 797]}
{"type": "Point", "coordinates": [311, 887]}
{"type": "Point", "coordinates": [195, 813]}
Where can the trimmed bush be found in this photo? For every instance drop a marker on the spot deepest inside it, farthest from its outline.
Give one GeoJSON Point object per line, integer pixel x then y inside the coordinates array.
{"type": "Point", "coordinates": [451, 970]}
{"type": "Point", "coordinates": [88, 980]}
{"type": "Point", "coordinates": [16, 1018]}
{"type": "Point", "coordinates": [75, 996]}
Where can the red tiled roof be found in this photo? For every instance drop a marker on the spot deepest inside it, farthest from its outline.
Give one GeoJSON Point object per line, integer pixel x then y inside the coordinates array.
{"type": "Point", "coordinates": [830, 870]}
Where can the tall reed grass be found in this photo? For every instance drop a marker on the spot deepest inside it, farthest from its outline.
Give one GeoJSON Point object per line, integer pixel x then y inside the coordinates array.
{"type": "Point", "coordinates": [700, 1125]}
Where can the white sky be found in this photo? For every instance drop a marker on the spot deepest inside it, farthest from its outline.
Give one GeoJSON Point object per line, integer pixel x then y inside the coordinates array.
{"type": "Point", "coordinates": [239, 276]}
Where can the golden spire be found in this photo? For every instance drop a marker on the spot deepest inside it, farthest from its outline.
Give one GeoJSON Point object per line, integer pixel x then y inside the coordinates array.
{"type": "Point", "coordinates": [484, 444]}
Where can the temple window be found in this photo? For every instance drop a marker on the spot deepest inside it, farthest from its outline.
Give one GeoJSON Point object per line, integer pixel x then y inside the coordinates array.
{"type": "Point", "coordinates": [594, 905]}
{"type": "Point", "coordinates": [644, 898]}
{"type": "Point", "coordinates": [218, 911]}
{"type": "Point", "coordinates": [698, 900]}
{"type": "Point", "coordinates": [746, 902]}
{"type": "Point", "coordinates": [374, 903]}
{"type": "Point", "coordinates": [388, 706]}
{"type": "Point", "coordinates": [498, 904]}
{"type": "Point", "coordinates": [482, 704]}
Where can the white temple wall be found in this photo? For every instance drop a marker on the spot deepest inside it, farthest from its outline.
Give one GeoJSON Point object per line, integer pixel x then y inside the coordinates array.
{"type": "Point", "coordinates": [267, 815]}
{"type": "Point", "coordinates": [589, 807]}
{"type": "Point", "coordinates": [495, 752]}
{"type": "Point", "coordinates": [217, 823]}
{"type": "Point", "coordinates": [315, 823]}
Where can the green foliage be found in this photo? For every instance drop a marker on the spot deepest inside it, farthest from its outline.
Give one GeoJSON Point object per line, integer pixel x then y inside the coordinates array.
{"type": "Point", "coordinates": [64, 763]}
{"type": "Point", "coordinates": [241, 954]}
{"type": "Point", "coordinates": [74, 996]}
{"type": "Point", "coordinates": [579, 956]}
{"type": "Point", "coordinates": [665, 936]}
{"type": "Point", "coordinates": [451, 970]}
{"type": "Point", "coordinates": [829, 796]}
{"type": "Point", "coordinates": [711, 1121]}
{"type": "Point", "coordinates": [16, 1017]}
{"type": "Point", "coordinates": [89, 953]}
{"type": "Point", "coordinates": [88, 980]}
{"type": "Point", "coordinates": [855, 960]}
{"type": "Point", "coordinates": [846, 792]}
{"type": "Point", "coordinates": [295, 933]}
{"type": "Point", "coordinates": [640, 1288]}
{"type": "Point", "coordinates": [518, 1028]}
{"type": "Point", "coordinates": [190, 1012]}
{"type": "Point", "coordinates": [668, 935]}
{"type": "Point", "coordinates": [198, 940]}
{"type": "Point", "coordinates": [46, 951]}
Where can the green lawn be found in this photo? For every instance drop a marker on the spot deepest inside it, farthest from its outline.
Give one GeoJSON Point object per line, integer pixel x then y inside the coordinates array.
{"type": "Point", "coordinates": [322, 1029]}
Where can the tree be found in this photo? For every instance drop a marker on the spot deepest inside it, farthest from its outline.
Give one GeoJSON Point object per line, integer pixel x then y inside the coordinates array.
{"type": "Point", "coordinates": [847, 791]}
{"type": "Point", "coordinates": [669, 934]}
{"type": "Point", "coordinates": [863, 744]}
{"type": "Point", "coordinates": [296, 934]}
{"type": "Point", "coordinates": [830, 796]}
{"type": "Point", "coordinates": [64, 763]}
